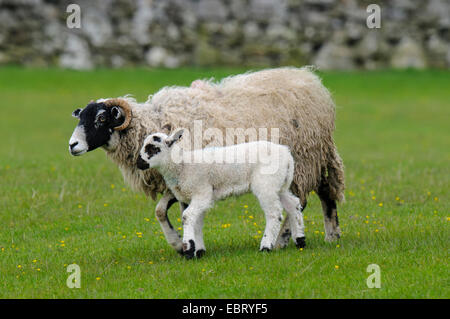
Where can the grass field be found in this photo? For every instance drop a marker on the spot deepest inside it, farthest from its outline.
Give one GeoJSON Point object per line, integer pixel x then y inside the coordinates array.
{"type": "Point", "coordinates": [55, 210]}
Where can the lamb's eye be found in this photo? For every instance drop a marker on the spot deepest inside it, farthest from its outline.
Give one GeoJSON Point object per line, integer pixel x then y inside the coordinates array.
{"type": "Point", "coordinates": [156, 139]}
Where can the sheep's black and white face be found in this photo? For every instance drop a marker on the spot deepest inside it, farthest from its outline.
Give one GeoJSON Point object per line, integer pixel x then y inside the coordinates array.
{"type": "Point", "coordinates": [96, 128]}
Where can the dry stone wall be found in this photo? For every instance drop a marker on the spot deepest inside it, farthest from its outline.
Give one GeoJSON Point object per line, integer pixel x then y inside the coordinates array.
{"type": "Point", "coordinates": [331, 34]}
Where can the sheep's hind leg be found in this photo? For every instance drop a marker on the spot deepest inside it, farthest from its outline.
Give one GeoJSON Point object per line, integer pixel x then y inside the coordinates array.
{"type": "Point", "coordinates": [330, 217]}
{"type": "Point", "coordinates": [284, 235]}
{"type": "Point", "coordinates": [172, 236]}
{"type": "Point", "coordinates": [294, 211]}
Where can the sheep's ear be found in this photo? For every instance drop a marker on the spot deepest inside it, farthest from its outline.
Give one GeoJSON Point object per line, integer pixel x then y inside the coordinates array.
{"type": "Point", "coordinates": [116, 112]}
{"type": "Point", "coordinates": [76, 113]}
{"type": "Point", "coordinates": [167, 128]}
{"type": "Point", "coordinates": [174, 137]}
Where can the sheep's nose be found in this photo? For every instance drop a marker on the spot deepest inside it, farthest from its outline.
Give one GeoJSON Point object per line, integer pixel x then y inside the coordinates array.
{"type": "Point", "coordinates": [73, 145]}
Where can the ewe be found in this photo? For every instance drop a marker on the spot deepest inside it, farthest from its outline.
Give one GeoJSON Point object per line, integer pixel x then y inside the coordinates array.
{"type": "Point", "coordinates": [203, 176]}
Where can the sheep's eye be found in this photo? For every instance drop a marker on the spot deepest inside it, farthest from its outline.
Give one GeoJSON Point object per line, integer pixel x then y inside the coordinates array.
{"type": "Point", "coordinates": [156, 139]}
{"type": "Point", "coordinates": [101, 118]}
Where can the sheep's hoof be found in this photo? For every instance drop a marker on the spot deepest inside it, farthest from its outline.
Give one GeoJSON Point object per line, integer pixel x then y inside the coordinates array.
{"type": "Point", "coordinates": [300, 242]}
{"type": "Point", "coordinates": [332, 237]}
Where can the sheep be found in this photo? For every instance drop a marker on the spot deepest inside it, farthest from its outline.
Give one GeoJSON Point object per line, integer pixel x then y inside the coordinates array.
{"type": "Point", "coordinates": [265, 168]}
{"type": "Point", "coordinates": [290, 99]}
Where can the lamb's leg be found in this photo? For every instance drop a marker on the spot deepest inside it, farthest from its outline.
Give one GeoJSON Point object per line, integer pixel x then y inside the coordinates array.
{"type": "Point", "coordinates": [200, 248]}
{"type": "Point", "coordinates": [271, 205]}
{"type": "Point", "coordinates": [294, 210]}
{"type": "Point", "coordinates": [330, 217]}
{"type": "Point", "coordinates": [193, 245]}
{"type": "Point", "coordinates": [172, 236]}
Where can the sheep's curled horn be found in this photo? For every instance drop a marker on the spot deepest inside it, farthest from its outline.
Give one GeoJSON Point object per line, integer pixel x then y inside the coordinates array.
{"type": "Point", "coordinates": [125, 107]}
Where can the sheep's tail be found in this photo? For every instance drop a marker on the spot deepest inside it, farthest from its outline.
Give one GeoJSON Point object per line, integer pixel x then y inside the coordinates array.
{"type": "Point", "coordinates": [335, 178]}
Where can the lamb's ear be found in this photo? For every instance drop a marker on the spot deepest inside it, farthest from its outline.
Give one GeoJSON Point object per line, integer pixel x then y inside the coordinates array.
{"type": "Point", "coordinates": [76, 113]}
{"type": "Point", "coordinates": [174, 137]}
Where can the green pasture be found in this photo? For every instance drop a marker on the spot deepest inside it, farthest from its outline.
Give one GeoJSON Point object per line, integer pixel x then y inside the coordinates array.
{"type": "Point", "coordinates": [393, 134]}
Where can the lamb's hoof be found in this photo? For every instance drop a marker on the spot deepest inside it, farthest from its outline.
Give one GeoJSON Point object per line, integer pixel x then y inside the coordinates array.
{"type": "Point", "coordinates": [181, 252]}
{"type": "Point", "coordinates": [300, 242]}
{"type": "Point", "coordinates": [199, 253]}
{"type": "Point", "coordinates": [265, 249]}
{"type": "Point", "coordinates": [189, 253]}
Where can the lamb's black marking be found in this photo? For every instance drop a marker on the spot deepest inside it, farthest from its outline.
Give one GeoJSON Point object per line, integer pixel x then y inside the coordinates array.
{"type": "Point", "coordinates": [300, 242]}
{"type": "Point", "coordinates": [169, 204]}
{"type": "Point", "coordinates": [151, 150]}
{"type": "Point", "coordinates": [189, 253]}
{"type": "Point", "coordinates": [141, 164]}
{"type": "Point", "coordinates": [200, 253]}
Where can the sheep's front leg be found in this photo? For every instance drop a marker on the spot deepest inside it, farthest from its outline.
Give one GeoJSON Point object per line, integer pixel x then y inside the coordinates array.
{"type": "Point", "coordinates": [193, 245]}
{"type": "Point", "coordinates": [172, 236]}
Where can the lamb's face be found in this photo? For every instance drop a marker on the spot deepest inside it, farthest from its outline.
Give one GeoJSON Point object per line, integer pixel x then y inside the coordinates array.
{"type": "Point", "coordinates": [96, 128]}
{"type": "Point", "coordinates": [152, 150]}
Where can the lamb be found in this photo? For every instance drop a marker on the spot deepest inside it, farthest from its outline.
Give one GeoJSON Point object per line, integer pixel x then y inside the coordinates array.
{"type": "Point", "coordinates": [265, 168]}
{"type": "Point", "coordinates": [290, 99]}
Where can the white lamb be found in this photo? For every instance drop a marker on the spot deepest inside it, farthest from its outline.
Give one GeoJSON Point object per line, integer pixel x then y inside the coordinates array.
{"type": "Point", "coordinates": [203, 176]}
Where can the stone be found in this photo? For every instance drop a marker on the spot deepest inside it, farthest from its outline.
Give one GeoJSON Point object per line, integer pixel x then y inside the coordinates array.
{"type": "Point", "coordinates": [212, 10]}
{"type": "Point", "coordinates": [155, 56]}
{"type": "Point", "coordinates": [268, 10]}
{"type": "Point", "coordinates": [278, 31]}
{"type": "Point", "coordinates": [160, 57]}
{"type": "Point", "coordinates": [141, 22]}
{"type": "Point", "coordinates": [438, 51]}
{"type": "Point", "coordinates": [96, 26]}
{"type": "Point", "coordinates": [238, 9]}
{"type": "Point", "coordinates": [205, 54]}
{"type": "Point", "coordinates": [333, 56]}
{"type": "Point", "coordinates": [251, 30]}
{"type": "Point", "coordinates": [438, 11]}
{"type": "Point", "coordinates": [76, 54]}
{"type": "Point", "coordinates": [408, 54]}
